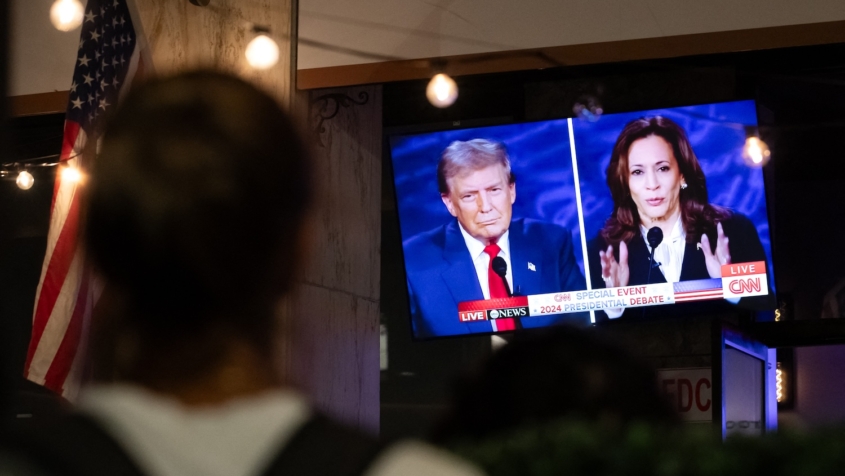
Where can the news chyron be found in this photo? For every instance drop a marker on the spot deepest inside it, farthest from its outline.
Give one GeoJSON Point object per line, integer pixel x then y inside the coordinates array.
{"type": "Point", "coordinates": [738, 281]}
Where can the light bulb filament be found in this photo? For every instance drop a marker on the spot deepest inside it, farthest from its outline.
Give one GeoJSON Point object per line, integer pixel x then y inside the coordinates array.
{"type": "Point", "coordinates": [262, 52]}
{"type": "Point", "coordinates": [71, 174]}
{"type": "Point", "coordinates": [67, 15]}
{"type": "Point", "coordinates": [25, 180]}
{"type": "Point", "coordinates": [441, 91]}
{"type": "Point", "coordinates": [756, 152]}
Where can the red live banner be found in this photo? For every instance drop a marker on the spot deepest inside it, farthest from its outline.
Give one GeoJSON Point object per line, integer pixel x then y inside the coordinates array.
{"type": "Point", "coordinates": [491, 309]}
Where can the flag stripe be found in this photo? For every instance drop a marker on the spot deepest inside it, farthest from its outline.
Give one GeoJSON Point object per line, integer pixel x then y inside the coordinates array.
{"type": "Point", "coordinates": [71, 136]}
{"type": "Point", "coordinates": [48, 345]}
{"type": "Point", "coordinates": [702, 297]}
{"type": "Point", "coordinates": [54, 277]}
{"type": "Point", "coordinates": [694, 295]}
{"type": "Point", "coordinates": [63, 192]}
{"type": "Point", "coordinates": [63, 360]}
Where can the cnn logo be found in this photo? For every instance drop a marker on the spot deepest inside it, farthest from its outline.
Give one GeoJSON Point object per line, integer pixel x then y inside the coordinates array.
{"type": "Point", "coordinates": [745, 285]}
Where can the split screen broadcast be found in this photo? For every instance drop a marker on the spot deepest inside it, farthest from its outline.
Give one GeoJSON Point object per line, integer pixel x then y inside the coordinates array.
{"type": "Point", "coordinates": [634, 216]}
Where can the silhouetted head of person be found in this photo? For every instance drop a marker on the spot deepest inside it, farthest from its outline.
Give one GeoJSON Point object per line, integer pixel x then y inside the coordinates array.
{"type": "Point", "coordinates": [196, 207]}
{"type": "Point", "coordinates": [558, 373]}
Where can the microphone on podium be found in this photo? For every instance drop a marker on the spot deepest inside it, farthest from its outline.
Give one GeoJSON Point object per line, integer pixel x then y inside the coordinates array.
{"type": "Point", "coordinates": [654, 238]}
{"type": "Point", "coordinates": [500, 267]}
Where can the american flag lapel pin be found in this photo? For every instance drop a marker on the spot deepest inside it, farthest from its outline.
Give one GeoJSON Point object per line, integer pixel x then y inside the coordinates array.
{"type": "Point", "coordinates": [531, 266]}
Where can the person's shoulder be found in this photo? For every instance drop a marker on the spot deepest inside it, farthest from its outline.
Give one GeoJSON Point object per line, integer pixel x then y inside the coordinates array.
{"type": "Point", "coordinates": [436, 237]}
{"type": "Point", "coordinates": [533, 227]}
{"type": "Point", "coordinates": [737, 217]}
{"type": "Point", "coordinates": [425, 250]}
{"type": "Point", "coordinates": [411, 458]}
{"type": "Point", "coordinates": [71, 443]}
{"type": "Point", "coordinates": [418, 247]}
{"type": "Point", "coordinates": [737, 221]}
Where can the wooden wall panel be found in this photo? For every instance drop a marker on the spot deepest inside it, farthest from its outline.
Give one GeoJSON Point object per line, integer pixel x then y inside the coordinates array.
{"type": "Point", "coordinates": [336, 355]}
{"type": "Point", "coordinates": [336, 348]}
{"type": "Point", "coordinates": [183, 36]}
{"type": "Point", "coordinates": [349, 170]}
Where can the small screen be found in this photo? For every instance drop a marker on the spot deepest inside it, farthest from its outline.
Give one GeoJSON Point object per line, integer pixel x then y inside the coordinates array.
{"type": "Point", "coordinates": [632, 216]}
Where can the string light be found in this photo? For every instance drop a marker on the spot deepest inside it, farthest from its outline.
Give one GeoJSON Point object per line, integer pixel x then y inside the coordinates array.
{"type": "Point", "coordinates": [71, 174]}
{"type": "Point", "coordinates": [780, 377]}
{"type": "Point", "coordinates": [67, 15]}
{"type": "Point", "coordinates": [25, 180]}
{"type": "Point", "coordinates": [262, 52]}
{"type": "Point", "coordinates": [755, 152]}
{"type": "Point", "coordinates": [441, 91]}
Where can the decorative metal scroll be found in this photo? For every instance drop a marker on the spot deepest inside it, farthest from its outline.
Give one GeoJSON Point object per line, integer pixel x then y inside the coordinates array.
{"type": "Point", "coordinates": [327, 106]}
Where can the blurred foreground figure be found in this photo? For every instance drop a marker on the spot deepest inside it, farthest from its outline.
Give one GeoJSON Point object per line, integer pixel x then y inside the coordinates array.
{"type": "Point", "coordinates": [196, 216]}
{"type": "Point", "coordinates": [557, 374]}
{"type": "Point", "coordinates": [562, 402]}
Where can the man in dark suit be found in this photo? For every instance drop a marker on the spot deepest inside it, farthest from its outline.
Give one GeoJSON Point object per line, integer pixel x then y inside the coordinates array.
{"type": "Point", "coordinates": [453, 263]}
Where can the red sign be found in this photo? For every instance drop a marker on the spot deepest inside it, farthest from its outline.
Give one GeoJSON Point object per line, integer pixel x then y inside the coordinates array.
{"type": "Point", "coordinates": [690, 391]}
{"type": "Point", "coordinates": [470, 316]}
{"type": "Point", "coordinates": [743, 269]}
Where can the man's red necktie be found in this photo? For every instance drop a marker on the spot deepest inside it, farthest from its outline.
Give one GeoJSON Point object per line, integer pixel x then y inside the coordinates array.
{"type": "Point", "coordinates": [497, 287]}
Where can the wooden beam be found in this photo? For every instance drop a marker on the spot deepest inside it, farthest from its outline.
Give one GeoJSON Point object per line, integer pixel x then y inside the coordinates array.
{"type": "Point", "coordinates": [35, 104]}
{"type": "Point", "coordinates": [573, 55]}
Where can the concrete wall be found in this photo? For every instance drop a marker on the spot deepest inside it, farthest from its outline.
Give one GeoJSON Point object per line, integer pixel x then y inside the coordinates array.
{"type": "Point", "coordinates": [183, 36]}
{"type": "Point", "coordinates": [336, 353]}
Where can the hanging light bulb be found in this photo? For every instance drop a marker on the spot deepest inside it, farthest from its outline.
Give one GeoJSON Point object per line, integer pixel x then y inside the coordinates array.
{"type": "Point", "coordinates": [71, 174]}
{"type": "Point", "coordinates": [67, 15]}
{"type": "Point", "coordinates": [755, 152]}
{"type": "Point", "coordinates": [441, 91]}
{"type": "Point", "coordinates": [262, 52]}
{"type": "Point", "coordinates": [25, 180]}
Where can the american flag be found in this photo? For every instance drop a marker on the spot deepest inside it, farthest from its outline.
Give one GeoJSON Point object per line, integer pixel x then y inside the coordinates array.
{"type": "Point", "coordinates": [698, 290]}
{"type": "Point", "coordinates": [108, 59]}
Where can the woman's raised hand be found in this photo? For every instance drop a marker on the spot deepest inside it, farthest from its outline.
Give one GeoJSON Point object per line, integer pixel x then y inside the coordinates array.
{"type": "Point", "coordinates": [721, 256]}
{"type": "Point", "coordinates": [615, 274]}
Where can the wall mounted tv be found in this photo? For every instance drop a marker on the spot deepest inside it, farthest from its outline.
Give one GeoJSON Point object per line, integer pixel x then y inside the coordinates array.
{"type": "Point", "coordinates": [633, 216]}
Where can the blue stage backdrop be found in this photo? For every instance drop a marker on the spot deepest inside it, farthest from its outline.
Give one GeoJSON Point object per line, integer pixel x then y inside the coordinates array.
{"type": "Point", "coordinates": [717, 135]}
{"type": "Point", "coordinates": [540, 157]}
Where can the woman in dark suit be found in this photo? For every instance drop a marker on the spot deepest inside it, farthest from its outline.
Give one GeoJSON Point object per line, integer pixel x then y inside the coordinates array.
{"type": "Point", "coordinates": [655, 180]}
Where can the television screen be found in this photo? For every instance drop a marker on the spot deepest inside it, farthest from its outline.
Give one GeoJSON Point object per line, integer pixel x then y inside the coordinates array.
{"type": "Point", "coordinates": [631, 216]}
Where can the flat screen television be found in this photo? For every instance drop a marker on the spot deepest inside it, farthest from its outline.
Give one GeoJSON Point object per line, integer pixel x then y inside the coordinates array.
{"type": "Point", "coordinates": [532, 224]}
